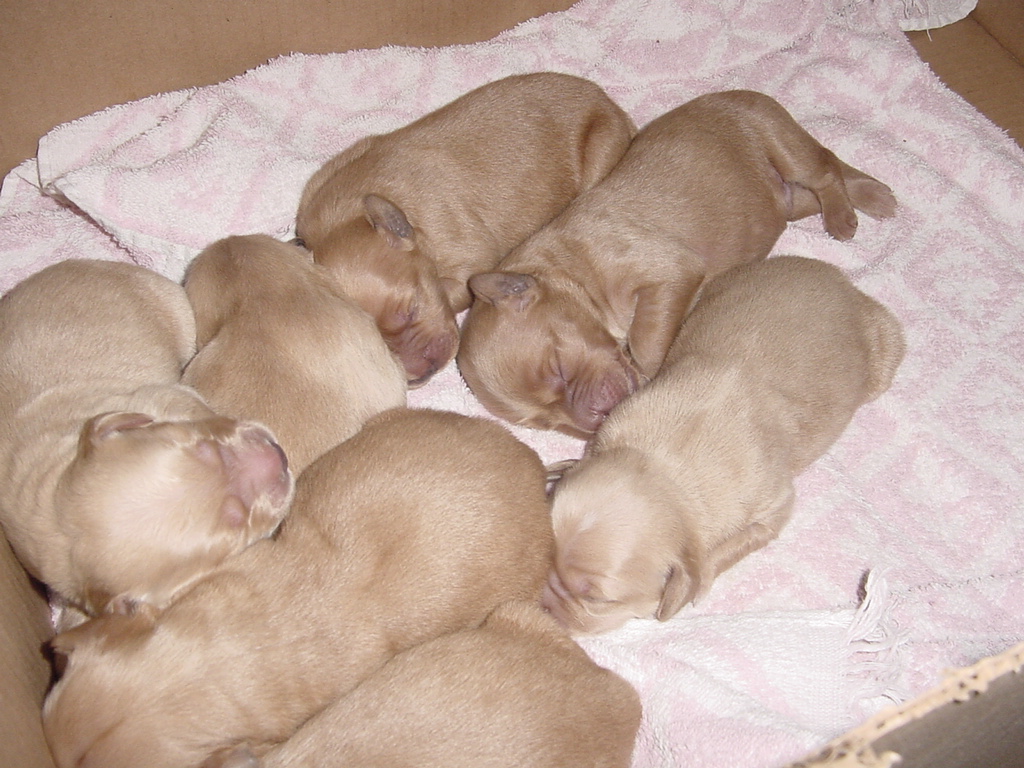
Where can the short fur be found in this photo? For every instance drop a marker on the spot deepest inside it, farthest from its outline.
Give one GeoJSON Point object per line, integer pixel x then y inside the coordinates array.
{"type": "Point", "coordinates": [584, 311]}
{"type": "Point", "coordinates": [281, 344]}
{"type": "Point", "coordinates": [419, 525]}
{"type": "Point", "coordinates": [695, 470]}
{"type": "Point", "coordinates": [515, 693]}
{"type": "Point", "coordinates": [403, 219]}
{"type": "Point", "coordinates": [117, 484]}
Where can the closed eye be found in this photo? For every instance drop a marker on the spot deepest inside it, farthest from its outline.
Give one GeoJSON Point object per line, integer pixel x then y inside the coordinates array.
{"type": "Point", "coordinates": [594, 600]}
{"type": "Point", "coordinates": [395, 321]}
{"type": "Point", "coordinates": [551, 384]}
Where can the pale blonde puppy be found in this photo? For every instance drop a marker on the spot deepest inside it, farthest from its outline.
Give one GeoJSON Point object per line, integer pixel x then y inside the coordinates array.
{"type": "Point", "coordinates": [280, 343]}
{"type": "Point", "coordinates": [514, 693]}
{"type": "Point", "coordinates": [584, 311]}
{"type": "Point", "coordinates": [403, 219]}
{"type": "Point", "coordinates": [695, 470]}
{"type": "Point", "coordinates": [419, 525]}
{"type": "Point", "coordinates": [118, 485]}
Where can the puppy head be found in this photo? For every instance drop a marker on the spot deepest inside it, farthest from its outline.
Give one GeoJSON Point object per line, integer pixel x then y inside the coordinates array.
{"type": "Point", "coordinates": [541, 356]}
{"type": "Point", "coordinates": [623, 550]}
{"type": "Point", "coordinates": [151, 506]}
{"type": "Point", "coordinates": [231, 269]}
{"type": "Point", "coordinates": [378, 263]}
{"type": "Point", "coordinates": [114, 705]}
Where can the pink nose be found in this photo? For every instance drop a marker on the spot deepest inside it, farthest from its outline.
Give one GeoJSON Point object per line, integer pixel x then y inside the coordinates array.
{"type": "Point", "coordinates": [422, 362]}
{"type": "Point", "coordinates": [259, 467]}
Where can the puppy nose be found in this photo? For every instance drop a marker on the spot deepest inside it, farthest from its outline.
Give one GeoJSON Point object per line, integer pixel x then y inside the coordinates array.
{"type": "Point", "coordinates": [432, 358]}
{"type": "Point", "coordinates": [421, 380]}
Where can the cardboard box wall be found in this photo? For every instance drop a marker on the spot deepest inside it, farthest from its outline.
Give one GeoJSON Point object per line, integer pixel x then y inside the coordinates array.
{"type": "Point", "coordinates": [64, 59]}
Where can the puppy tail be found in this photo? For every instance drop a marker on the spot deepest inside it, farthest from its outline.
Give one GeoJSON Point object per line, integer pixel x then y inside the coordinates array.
{"type": "Point", "coordinates": [887, 348]}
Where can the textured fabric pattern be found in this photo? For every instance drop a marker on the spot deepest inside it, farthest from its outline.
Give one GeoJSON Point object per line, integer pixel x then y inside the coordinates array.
{"type": "Point", "coordinates": [924, 487]}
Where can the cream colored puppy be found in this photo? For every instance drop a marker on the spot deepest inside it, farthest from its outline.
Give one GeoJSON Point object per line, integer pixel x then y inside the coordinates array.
{"type": "Point", "coordinates": [695, 470]}
{"type": "Point", "coordinates": [514, 693]}
{"type": "Point", "coordinates": [584, 311]}
{"type": "Point", "coordinates": [403, 219]}
{"type": "Point", "coordinates": [280, 343]}
{"type": "Point", "coordinates": [419, 525]}
{"type": "Point", "coordinates": [118, 485]}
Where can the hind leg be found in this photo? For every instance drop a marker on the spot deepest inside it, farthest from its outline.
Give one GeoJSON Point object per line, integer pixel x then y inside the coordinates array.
{"type": "Point", "coordinates": [867, 193]}
{"type": "Point", "coordinates": [864, 192]}
{"type": "Point", "coordinates": [811, 171]}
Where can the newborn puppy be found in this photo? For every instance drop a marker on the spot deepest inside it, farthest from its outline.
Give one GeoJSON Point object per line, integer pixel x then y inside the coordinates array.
{"type": "Point", "coordinates": [514, 693]}
{"type": "Point", "coordinates": [403, 219]}
{"type": "Point", "coordinates": [694, 471]}
{"type": "Point", "coordinates": [118, 485]}
{"type": "Point", "coordinates": [280, 343]}
{"type": "Point", "coordinates": [584, 311]}
{"type": "Point", "coordinates": [419, 525]}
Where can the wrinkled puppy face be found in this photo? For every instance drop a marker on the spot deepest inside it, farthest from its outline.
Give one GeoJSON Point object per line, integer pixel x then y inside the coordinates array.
{"type": "Point", "coordinates": [620, 553]}
{"type": "Point", "coordinates": [152, 506]}
{"type": "Point", "coordinates": [377, 263]}
{"type": "Point", "coordinates": [539, 358]}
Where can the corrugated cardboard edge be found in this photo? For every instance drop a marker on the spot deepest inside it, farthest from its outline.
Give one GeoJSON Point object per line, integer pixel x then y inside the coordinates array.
{"type": "Point", "coordinates": [855, 748]}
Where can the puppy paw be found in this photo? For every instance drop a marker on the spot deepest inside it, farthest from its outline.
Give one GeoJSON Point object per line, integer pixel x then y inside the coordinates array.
{"type": "Point", "coordinates": [840, 224]}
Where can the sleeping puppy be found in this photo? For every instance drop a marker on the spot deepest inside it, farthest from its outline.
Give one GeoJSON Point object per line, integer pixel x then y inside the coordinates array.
{"type": "Point", "coordinates": [553, 707]}
{"type": "Point", "coordinates": [280, 343]}
{"type": "Point", "coordinates": [419, 525]}
{"type": "Point", "coordinates": [584, 311]}
{"type": "Point", "coordinates": [118, 485]}
{"type": "Point", "coordinates": [403, 219]}
{"type": "Point", "coordinates": [695, 470]}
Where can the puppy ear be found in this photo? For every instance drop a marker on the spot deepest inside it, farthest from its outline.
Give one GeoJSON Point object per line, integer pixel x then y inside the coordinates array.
{"type": "Point", "coordinates": [456, 292]}
{"type": "Point", "coordinates": [682, 585]}
{"type": "Point", "coordinates": [509, 289]}
{"type": "Point", "coordinates": [390, 222]}
{"type": "Point", "coordinates": [106, 425]}
{"type": "Point", "coordinates": [659, 314]}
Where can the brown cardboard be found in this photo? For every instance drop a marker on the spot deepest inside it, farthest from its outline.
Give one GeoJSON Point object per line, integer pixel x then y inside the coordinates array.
{"type": "Point", "coordinates": [1004, 21]}
{"type": "Point", "coordinates": [63, 59]}
{"type": "Point", "coordinates": [973, 719]}
{"type": "Point", "coordinates": [975, 65]}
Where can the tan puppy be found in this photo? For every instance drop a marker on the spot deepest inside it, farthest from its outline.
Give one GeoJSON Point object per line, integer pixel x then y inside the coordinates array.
{"type": "Point", "coordinates": [117, 484]}
{"type": "Point", "coordinates": [585, 310]}
{"type": "Point", "coordinates": [281, 344]}
{"type": "Point", "coordinates": [419, 525]}
{"type": "Point", "coordinates": [403, 219]}
{"type": "Point", "coordinates": [694, 471]}
{"type": "Point", "coordinates": [515, 693]}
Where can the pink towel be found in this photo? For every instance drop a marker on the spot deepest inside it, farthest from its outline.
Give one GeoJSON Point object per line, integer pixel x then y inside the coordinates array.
{"type": "Point", "coordinates": [924, 487]}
